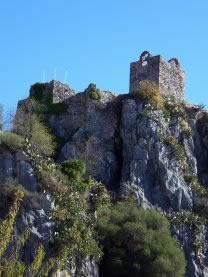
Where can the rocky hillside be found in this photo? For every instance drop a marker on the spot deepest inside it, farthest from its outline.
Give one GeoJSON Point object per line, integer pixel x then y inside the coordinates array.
{"type": "Point", "coordinates": [149, 147]}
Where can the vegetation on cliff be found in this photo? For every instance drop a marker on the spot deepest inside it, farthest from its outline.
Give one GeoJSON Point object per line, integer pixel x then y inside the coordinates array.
{"type": "Point", "coordinates": [137, 242]}
{"type": "Point", "coordinates": [124, 237]}
{"type": "Point", "coordinates": [94, 93]}
{"type": "Point", "coordinates": [174, 110]}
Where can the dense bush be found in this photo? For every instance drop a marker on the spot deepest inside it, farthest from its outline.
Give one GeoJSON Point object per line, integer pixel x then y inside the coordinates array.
{"type": "Point", "coordinates": [75, 170]}
{"type": "Point", "coordinates": [149, 93]}
{"type": "Point", "coordinates": [37, 91]}
{"type": "Point", "coordinates": [138, 243]}
{"type": "Point", "coordinates": [94, 92]}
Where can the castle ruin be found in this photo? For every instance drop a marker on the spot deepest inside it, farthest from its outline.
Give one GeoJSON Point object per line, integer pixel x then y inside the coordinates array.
{"type": "Point", "coordinates": [167, 75]}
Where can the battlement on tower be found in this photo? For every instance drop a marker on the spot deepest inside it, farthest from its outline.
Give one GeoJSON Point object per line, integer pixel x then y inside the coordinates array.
{"type": "Point", "coordinates": [167, 75]}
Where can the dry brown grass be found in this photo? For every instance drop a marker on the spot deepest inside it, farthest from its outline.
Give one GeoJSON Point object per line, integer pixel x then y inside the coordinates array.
{"type": "Point", "coordinates": [149, 93]}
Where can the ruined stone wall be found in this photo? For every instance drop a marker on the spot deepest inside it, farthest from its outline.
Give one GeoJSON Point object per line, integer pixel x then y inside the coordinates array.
{"type": "Point", "coordinates": [171, 80]}
{"type": "Point", "coordinates": [140, 71]}
{"type": "Point", "coordinates": [53, 91]}
{"type": "Point", "coordinates": [59, 91]}
{"type": "Point", "coordinates": [167, 75]}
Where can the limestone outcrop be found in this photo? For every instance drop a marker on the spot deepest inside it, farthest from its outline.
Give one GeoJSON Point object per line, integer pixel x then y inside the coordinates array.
{"type": "Point", "coordinates": [123, 144]}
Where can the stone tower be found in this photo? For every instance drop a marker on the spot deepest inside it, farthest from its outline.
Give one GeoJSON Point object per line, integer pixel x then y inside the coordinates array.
{"type": "Point", "coordinates": [55, 91]}
{"type": "Point", "coordinates": [167, 75]}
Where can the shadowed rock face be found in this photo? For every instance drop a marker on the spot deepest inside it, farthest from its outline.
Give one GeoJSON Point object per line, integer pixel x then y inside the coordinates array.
{"type": "Point", "coordinates": [91, 132]}
{"type": "Point", "coordinates": [122, 148]}
{"type": "Point", "coordinates": [149, 167]}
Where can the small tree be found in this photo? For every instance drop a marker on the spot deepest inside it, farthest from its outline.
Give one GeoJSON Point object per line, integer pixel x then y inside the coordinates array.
{"type": "Point", "coordinates": [29, 124]}
{"type": "Point", "coordinates": [138, 243]}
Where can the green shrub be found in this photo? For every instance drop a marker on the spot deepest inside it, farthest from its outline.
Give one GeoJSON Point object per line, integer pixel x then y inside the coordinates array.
{"type": "Point", "coordinates": [75, 170]}
{"type": "Point", "coordinates": [30, 126]}
{"type": "Point", "coordinates": [95, 95]}
{"type": "Point", "coordinates": [37, 90]}
{"type": "Point", "coordinates": [42, 139]}
{"type": "Point", "coordinates": [149, 93]}
{"type": "Point", "coordinates": [138, 243]}
{"type": "Point", "coordinates": [94, 92]}
{"type": "Point", "coordinates": [11, 140]}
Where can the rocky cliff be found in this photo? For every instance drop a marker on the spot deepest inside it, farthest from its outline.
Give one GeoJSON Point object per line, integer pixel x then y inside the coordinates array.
{"type": "Point", "coordinates": [132, 148]}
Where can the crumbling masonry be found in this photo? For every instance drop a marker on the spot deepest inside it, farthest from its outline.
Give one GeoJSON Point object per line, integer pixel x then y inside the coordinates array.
{"type": "Point", "coordinates": [167, 75]}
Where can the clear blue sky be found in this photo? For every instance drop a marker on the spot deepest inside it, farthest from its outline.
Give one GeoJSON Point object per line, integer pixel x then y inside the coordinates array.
{"type": "Point", "coordinates": [95, 41]}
